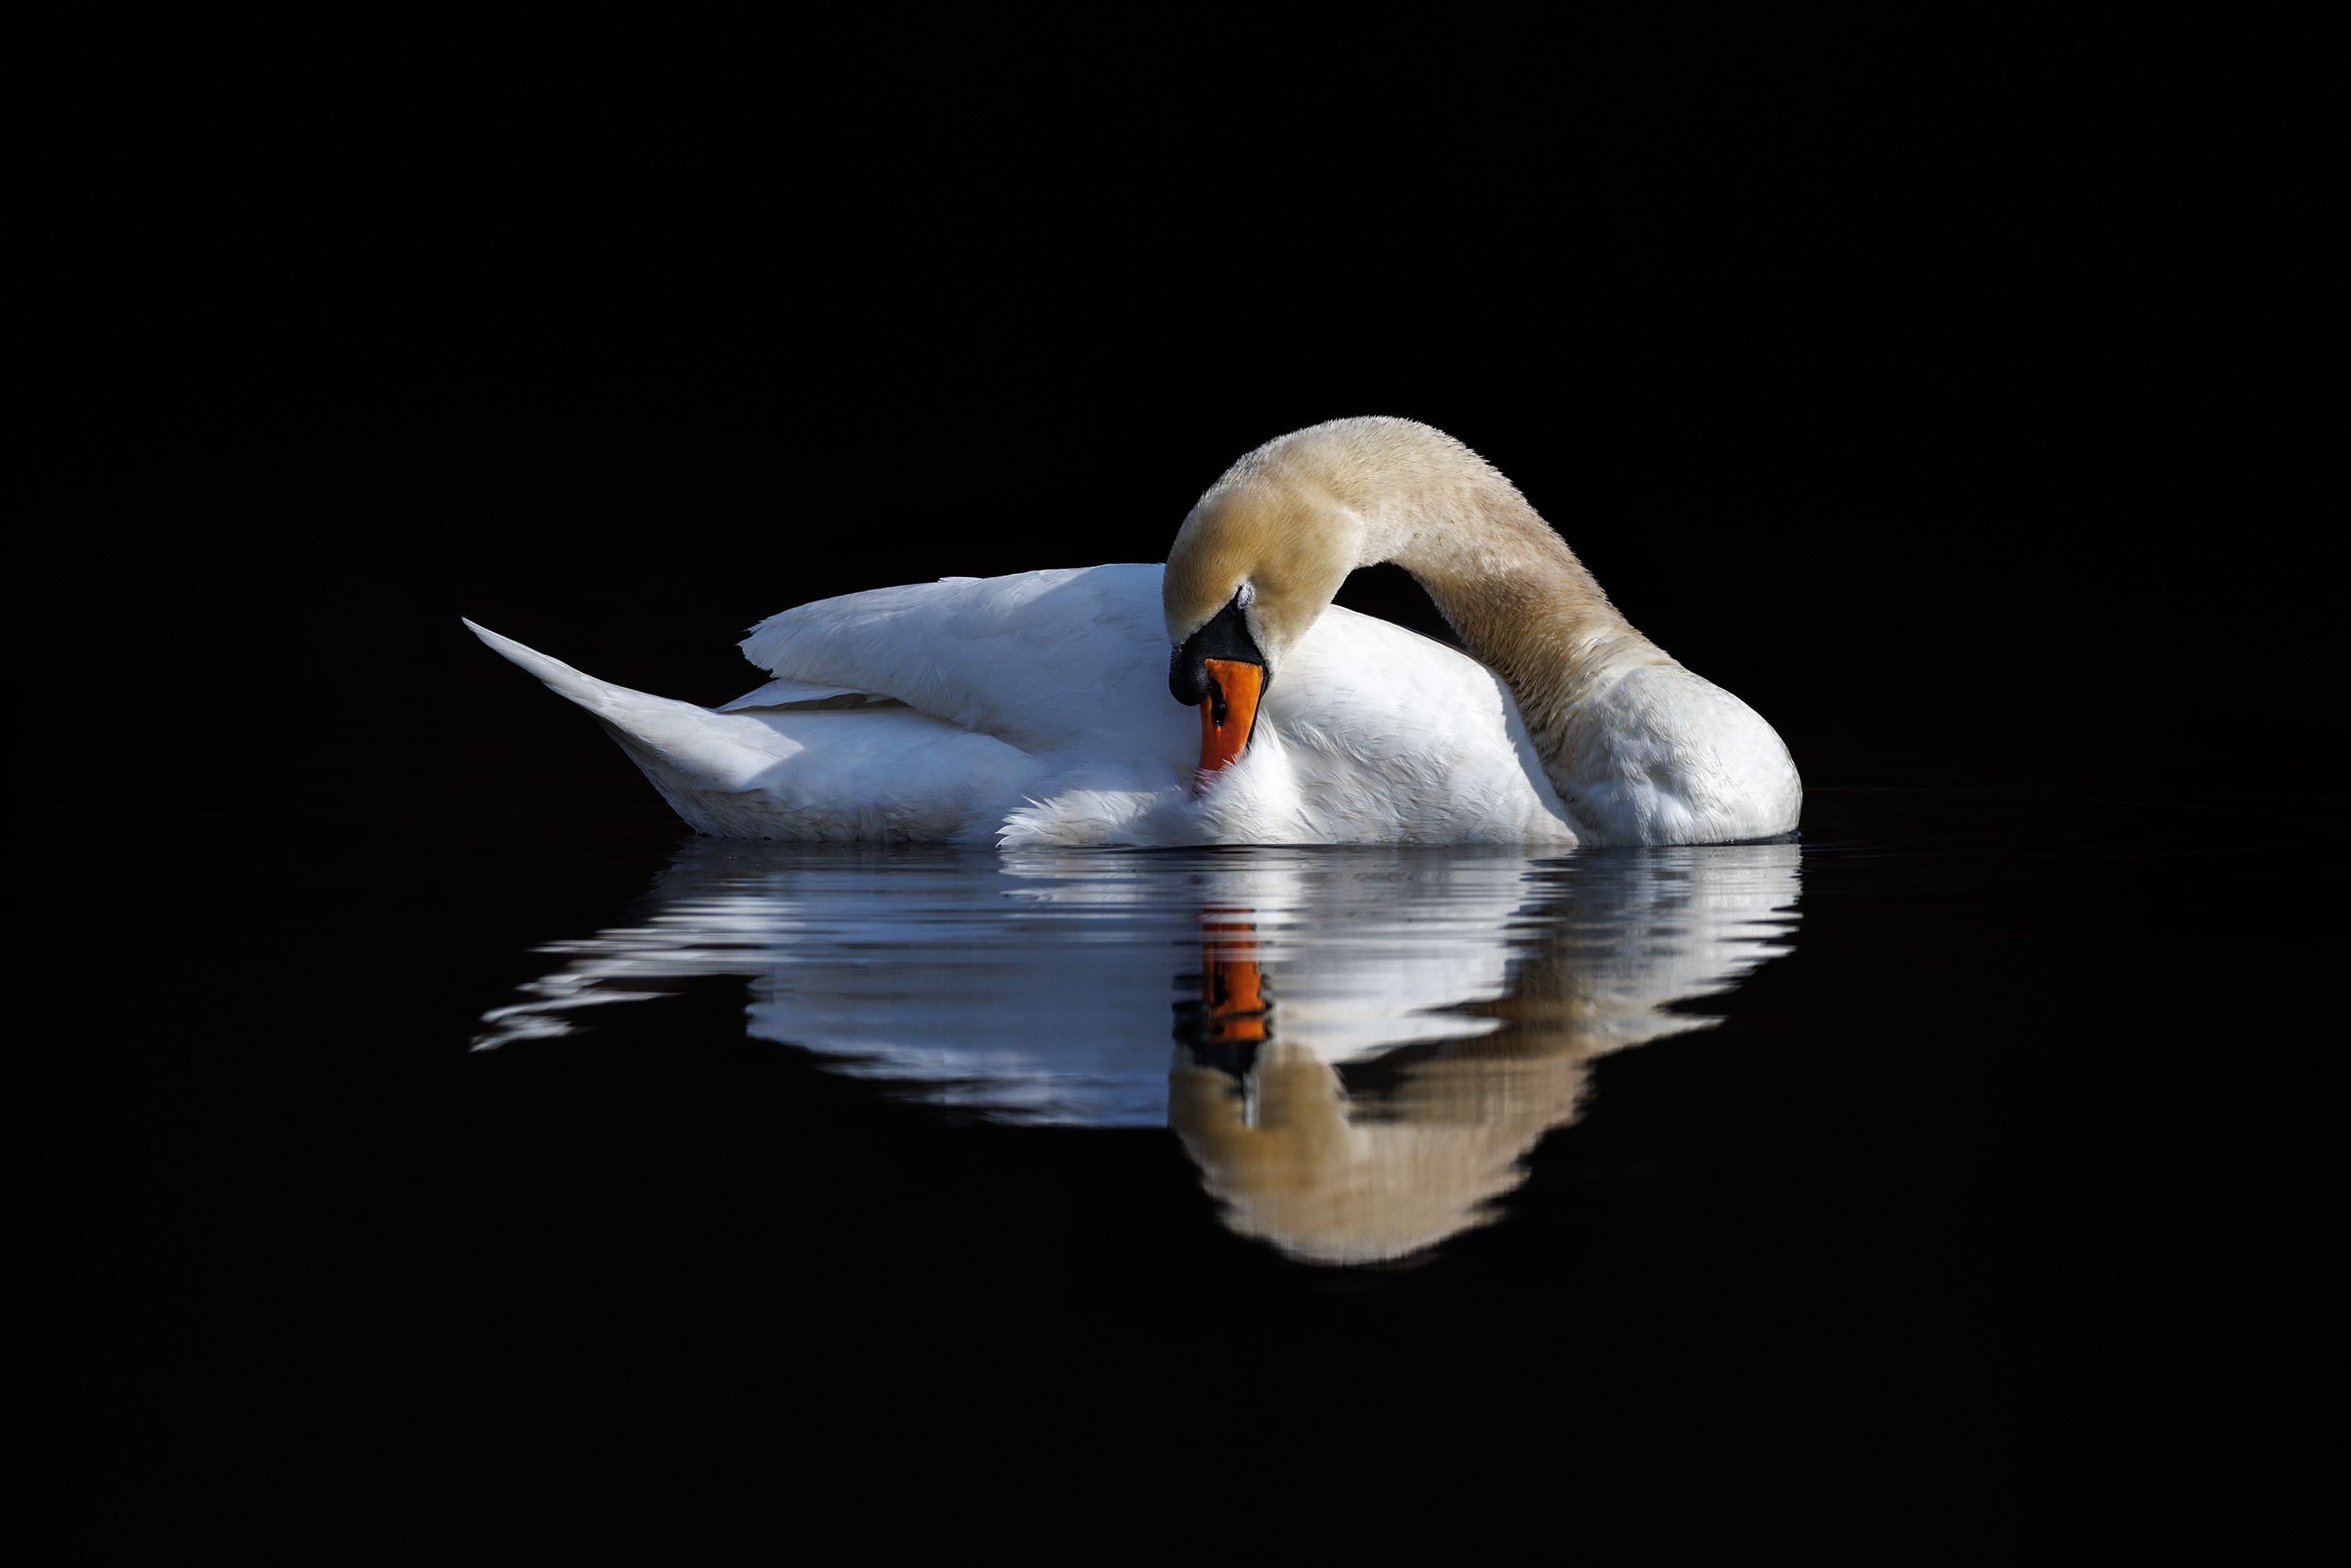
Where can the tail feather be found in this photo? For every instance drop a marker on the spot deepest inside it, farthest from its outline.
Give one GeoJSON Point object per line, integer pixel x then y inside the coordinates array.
{"type": "Point", "coordinates": [690, 753]}
{"type": "Point", "coordinates": [589, 693]}
{"type": "Point", "coordinates": [809, 769]}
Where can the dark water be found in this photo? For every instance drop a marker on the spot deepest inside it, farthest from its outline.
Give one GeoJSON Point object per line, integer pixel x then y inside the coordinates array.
{"type": "Point", "coordinates": [1779, 1187]}
{"type": "Point", "coordinates": [1369, 1040]}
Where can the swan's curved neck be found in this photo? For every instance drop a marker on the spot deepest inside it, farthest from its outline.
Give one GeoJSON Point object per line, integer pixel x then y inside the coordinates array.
{"type": "Point", "coordinates": [1521, 603]}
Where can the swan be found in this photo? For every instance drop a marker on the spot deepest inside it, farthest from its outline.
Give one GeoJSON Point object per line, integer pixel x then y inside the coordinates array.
{"type": "Point", "coordinates": [1028, 710]}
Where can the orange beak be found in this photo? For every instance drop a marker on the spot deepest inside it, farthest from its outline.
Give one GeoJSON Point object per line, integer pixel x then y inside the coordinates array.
{"type": "Point", "coordinates": [1230, 713]}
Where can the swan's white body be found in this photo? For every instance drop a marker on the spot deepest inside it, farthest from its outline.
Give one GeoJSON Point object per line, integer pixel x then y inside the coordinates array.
{"type": "Point", "coordinates": [1033, 709]}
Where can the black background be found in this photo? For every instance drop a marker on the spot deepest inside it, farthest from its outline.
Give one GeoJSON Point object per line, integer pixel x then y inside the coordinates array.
{"type": "Point", "coordinates": [1849, 359]}
{"type": "Point", "coordinates": [1858, 365]}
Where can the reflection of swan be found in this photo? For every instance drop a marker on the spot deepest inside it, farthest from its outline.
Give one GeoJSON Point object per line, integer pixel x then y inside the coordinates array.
{"type": "Point", "coordinates": [1036, 986]}
{"type": "Point", "coordinates": [1373, 1039]}
{"type": "Point", "coordinates": [1361, 1176]}
{"type": "Point", "coordinates": [1027, 709]}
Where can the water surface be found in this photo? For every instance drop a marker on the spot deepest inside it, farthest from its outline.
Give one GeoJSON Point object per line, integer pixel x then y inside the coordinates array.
{"type": "Point", "coordinates": [1365, 1042]}
{"type": "Point", "coordinates": [1812, 1176]}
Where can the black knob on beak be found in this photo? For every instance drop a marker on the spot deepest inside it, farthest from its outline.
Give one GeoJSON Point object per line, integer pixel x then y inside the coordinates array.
{"type": "Point", "coordinates": [1226, 636]}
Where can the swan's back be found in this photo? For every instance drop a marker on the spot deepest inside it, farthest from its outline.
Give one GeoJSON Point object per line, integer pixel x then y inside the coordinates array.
{"type": "Point", "coordinates": [1033, 710]}
{"type": "Point", "coordinates": [1045, 661]}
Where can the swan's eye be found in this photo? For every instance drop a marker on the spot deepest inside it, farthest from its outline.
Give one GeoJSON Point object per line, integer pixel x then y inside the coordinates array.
{"type": "Point", "coordinates": [1245, 596]}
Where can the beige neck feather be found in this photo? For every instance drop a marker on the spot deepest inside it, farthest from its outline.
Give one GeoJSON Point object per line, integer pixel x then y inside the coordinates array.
{"type": "Point", "coordinates": [1516, 596]}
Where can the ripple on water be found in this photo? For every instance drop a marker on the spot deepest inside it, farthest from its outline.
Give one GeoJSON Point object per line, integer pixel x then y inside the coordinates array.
{"type": "Point", "coordinates": [1357, 1047]}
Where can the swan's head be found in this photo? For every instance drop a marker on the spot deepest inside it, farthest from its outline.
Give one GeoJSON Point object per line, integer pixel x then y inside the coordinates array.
{"type": "Point", "coordinates": [1254, 566]}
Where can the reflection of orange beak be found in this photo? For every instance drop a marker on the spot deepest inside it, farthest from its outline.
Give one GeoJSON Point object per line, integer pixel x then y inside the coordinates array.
{"type": "Point", "coordinates": [1230, 711]}
{"type": "Point", "coordinates": [1231, 983]}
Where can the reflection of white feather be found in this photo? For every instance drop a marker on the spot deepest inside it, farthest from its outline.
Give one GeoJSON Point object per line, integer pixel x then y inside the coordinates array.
{"type": "Point", "coordinates": [1678, 925]}
{"type": "Point", "coordinates": [1041, 985]}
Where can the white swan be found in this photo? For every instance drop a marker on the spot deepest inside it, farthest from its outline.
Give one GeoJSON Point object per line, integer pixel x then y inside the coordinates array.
{"type": "Point", "coordinates": [1032, 709]}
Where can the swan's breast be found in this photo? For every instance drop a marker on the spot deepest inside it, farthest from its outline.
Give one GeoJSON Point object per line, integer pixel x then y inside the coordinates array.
{"type": "Point", "coordinates": [1666, 757]}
